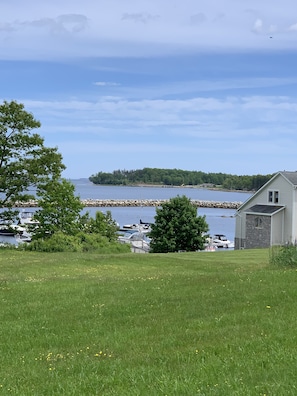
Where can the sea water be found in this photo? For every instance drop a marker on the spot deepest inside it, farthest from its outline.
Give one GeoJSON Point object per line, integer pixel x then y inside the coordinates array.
{"type": "Point", "coordinates": [220, 221]}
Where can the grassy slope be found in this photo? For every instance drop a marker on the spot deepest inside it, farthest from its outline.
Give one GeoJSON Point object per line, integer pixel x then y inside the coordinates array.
{"type": "Point", "coordinates": [177, 324]}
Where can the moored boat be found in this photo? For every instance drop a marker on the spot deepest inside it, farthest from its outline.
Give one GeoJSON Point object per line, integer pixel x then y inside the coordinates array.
{"type": "Point", "coordinates": [221, 241]}
{"type": "Point", "coordinates": [142, 227]}
{"type": "Point", "coordinates": [5, 230]}
{"type": "Point", "coordinates": [138, 241]}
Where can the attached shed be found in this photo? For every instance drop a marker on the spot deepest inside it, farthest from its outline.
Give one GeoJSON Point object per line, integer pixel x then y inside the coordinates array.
{"type": "Point", "coordinates": [269, 217]}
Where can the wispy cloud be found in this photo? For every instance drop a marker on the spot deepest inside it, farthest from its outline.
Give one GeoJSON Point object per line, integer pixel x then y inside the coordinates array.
{"type": "Point", "coordinates": [258, 26]}
{"type": "Point", "coordinates": [140, 28]}
{"type": "Point", "coordinates": [106, 84]}
{"type": "Point", "coordinates": [232, 117]}
{"type": "Point", "coordinates": [70, 23]}
{"type": "Point", "coordinates": [293, 27]}
{"type": "Point", "coordinates": [213, 82]}
{"type": "Point", "coordinates": [143, 17]}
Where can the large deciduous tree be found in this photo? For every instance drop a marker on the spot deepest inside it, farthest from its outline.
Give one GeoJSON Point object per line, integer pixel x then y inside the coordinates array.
{"type": "Point", "coordinates": [24, 160]}
{"type": "Point", "coordinates": [177, 227]}
{"type": "Point", "coordinates": [26, 164]}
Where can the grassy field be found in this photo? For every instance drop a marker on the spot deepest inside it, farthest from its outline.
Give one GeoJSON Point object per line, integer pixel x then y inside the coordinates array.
{"type": "Point", "coordinates": [219, 323]}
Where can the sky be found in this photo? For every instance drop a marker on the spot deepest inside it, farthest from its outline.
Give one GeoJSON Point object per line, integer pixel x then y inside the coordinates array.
{"type": "Point", "coordinates": [204, 86]}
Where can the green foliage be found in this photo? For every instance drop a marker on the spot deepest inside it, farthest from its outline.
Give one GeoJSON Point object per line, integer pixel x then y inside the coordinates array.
{"type": "Point", "coordinates": [24, 160]}
{"type": "Point", "coordinates": [102, 224]}
{"type": "Point", "coordinates": [81, 242]}
{"type": "Point", "coordinates": [60, 209]}
{"type": "Point", "coordinates": [247, 183]}
{"type": "Point", "coordinates": [177, 227]}
{"type": "Point", "coordinates": [178, 177]}
{"type": "Point", "coordinates": [26, 163]}
{"type": "Point", "coordinates": [284, 256]}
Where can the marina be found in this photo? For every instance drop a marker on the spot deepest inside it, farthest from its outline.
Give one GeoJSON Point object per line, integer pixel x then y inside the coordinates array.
{"type": "Point", "coordinates": [129, 205]}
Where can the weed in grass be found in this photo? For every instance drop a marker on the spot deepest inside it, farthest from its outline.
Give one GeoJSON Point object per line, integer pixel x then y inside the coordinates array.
{"type": "Point", "coordinates": [284, 256]}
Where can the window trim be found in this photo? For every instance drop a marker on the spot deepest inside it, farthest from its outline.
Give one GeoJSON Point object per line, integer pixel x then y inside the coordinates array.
{"type": "Point", "coordinates": [273, 196]}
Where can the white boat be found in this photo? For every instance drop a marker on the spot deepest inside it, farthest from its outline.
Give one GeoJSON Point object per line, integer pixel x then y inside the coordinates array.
{"type": "Point", "coordinates": [144, 228]}
{"type": "Point", "coordinates": [13, 234]}
{"type": "Point", "coordinates": [221, 241]}
{"type": "Point", "coordinates": [7, 230]}
{"type": "Point", "coordinates": [27, 218]}
{"type": "Point", "coordinates": [138, 241]}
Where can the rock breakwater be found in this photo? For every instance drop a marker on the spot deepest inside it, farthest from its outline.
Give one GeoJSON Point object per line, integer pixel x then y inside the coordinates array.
{"type": "Point", "coordinates": [109, 203]}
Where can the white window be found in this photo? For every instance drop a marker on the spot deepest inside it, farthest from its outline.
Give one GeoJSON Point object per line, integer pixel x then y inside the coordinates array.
{"type": "Point", "coordinates": [273, 196]}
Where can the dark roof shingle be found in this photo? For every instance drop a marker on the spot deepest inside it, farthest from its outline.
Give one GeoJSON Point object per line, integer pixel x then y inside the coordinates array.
{"type": "Point", "coordinates": [291, 176]}
{"type": "Point", "coordinates": [267, 209]}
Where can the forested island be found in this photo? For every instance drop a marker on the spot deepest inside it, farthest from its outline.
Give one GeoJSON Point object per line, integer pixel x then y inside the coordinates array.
{"type": "Point", "coordinates": [178, 177]}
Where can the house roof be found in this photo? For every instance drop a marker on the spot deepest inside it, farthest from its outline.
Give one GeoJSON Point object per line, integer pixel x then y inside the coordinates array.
{"type": "Point", "coordinates": [291, 176]}
{"type": "Point", "coordinates": [264, 209]}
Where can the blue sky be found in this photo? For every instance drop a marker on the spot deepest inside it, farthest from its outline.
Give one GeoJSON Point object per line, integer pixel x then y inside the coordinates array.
{"type": "Point", "coordinates": [131, 84]}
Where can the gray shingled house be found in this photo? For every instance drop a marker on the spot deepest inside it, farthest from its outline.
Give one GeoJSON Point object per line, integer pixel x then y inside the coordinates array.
{"type": "Point", "coordinates": [269, 217]}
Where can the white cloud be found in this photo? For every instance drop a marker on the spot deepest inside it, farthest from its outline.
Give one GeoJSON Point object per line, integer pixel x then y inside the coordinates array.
{"type": "Point", "coordinates": [258, 26]}
{"type": "Point", "coordinates": [293, 27]}
{"type": "Point", "coordinates": [142, 17]}
{"type": "Point", "coordinates": [234, 118]}
{"type": "Point", "coordinates": [106, 84]}
{"type": "Point", "coordinates": [70, 23]}
{"type": "Point", "coordinates": [30, 30]}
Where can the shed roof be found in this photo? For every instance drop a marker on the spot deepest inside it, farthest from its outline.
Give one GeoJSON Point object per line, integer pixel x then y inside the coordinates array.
{"type": "Point", "coordinates": [264, 209]}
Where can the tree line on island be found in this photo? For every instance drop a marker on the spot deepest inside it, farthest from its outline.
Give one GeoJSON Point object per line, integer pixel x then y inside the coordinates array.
{"type": "Point", "coordinates": [178, 177]}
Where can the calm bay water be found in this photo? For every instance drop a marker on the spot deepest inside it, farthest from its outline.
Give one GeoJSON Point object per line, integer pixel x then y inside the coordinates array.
{"type": "Point", "coordinates": [220, 221]}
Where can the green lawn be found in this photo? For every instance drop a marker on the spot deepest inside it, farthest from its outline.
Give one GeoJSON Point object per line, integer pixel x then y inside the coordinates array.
{"type": "Point", "coordinates": [220, 323]}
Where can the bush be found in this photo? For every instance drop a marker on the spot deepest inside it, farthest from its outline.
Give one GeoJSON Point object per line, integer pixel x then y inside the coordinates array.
{"type": "Point", "coordinates": [177, 227]}
{"type": "Point", "coordinates": [81, 242]}
{"type": "Point", "coordinates": [284, 256]}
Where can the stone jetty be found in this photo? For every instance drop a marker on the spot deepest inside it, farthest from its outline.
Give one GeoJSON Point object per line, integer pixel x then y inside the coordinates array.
{"type": "Point", "coordinates": [109, 203]}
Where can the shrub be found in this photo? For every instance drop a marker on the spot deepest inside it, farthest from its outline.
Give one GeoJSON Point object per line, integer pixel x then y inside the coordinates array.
{"type": "Point", "coordinates": [81, 242]}
{"type": "Point", "coordinates": [284, 256]}
{"type": "Point", "coordinates": [177, 227]}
